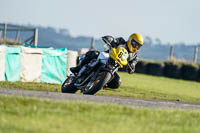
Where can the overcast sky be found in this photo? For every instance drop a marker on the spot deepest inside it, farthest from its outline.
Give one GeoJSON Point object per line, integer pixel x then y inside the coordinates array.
{"type": "Point", "coordinates": [172, 21]}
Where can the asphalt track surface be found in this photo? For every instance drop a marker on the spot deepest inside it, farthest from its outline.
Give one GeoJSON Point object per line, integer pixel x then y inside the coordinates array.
{"type": "Point", "coordinates": [101, 99]}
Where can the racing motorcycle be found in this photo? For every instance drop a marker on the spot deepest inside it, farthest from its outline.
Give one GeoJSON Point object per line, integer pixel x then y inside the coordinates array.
{"type": "Point", "coordinates": [98, 72]}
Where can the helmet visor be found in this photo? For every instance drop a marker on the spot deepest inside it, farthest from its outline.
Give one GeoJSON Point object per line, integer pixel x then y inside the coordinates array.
{"type": "Point", "coordinates": [135, 44]}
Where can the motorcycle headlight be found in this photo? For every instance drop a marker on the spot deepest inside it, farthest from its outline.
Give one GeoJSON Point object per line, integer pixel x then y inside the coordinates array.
{"type": "Point", "coordinates": [123, 57]}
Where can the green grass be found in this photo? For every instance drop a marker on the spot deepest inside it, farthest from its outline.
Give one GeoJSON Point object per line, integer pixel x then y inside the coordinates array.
{"type": "Point", "coordinates": [134, 85]}
{"type": "Point", "coordinates": [31, 86]}
{"type": "Point", "coordinates": [153, 87]}
{"type": "Point", "coordinates": [22, 115]}
{"type": "Point", "coordinates": [10, 42]}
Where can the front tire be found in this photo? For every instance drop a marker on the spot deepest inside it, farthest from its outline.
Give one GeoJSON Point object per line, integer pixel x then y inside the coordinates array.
{"type": "Point", "coordinates": [68, 88]}
{"type": "Point", "coordinates": [103, 80]}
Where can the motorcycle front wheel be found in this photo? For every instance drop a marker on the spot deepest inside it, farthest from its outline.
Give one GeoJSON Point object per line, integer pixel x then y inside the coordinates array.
{"type": "Point", "coordinates": [68, 87]}
{"type": "Point", "coordinates": [102, 79]}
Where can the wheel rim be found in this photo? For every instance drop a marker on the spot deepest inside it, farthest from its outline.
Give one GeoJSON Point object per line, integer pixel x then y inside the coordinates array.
{"type": "Point", "coordinates": [67, 81]}
{"type": "Point", "coordinates": [95, 82]}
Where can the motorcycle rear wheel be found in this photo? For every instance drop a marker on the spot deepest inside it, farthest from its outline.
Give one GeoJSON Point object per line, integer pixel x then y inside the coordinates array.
{"type": "Point", "coordinates": [99, 83]}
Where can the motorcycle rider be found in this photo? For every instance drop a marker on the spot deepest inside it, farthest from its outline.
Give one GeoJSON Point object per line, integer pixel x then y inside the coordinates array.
{"type": "Point", "coordinates": [134, 43]}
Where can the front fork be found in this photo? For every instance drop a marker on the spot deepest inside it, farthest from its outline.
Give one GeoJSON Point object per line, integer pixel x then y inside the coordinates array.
{"type": "Point", "coordinates": [111, 66]}
{"type": "Point", "coordinates": [102, 68]}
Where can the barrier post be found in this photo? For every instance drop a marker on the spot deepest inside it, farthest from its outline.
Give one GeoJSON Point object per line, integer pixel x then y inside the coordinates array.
{"type": "Point", "coordinates": [171, 53]}
{"type": "Point", "coordinates": [195, 54]}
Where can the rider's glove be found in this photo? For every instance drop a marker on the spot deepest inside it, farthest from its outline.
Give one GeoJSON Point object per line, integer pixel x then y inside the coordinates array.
{"type": "Point", "coordinates": [131, 65]}
{"type": "Point", "coordinates": [130, 68]}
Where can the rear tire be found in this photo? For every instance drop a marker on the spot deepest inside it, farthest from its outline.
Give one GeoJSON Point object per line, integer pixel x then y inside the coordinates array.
{"type": "Point", "coordinates": [103, 80]}
{"type": "Point", "coordinates": [69, 88]}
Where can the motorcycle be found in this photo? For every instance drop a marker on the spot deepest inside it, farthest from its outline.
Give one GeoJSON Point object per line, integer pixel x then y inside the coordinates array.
{"type": "Point", "coordinates": [98, 72]}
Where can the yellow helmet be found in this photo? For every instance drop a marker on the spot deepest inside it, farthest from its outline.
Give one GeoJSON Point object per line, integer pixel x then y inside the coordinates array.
{"type": "Point", "coordinates": [135, 41]}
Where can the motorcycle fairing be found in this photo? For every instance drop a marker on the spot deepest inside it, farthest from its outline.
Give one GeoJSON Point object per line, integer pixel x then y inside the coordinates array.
{"type": "Point", "coordinates": [103, 57]}
{"type": "Point", "coordinates": [120, 55]}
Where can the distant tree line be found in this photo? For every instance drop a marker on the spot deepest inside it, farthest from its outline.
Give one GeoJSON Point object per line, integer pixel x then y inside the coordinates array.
{"type": "Point", "coordinates": [61, 38]}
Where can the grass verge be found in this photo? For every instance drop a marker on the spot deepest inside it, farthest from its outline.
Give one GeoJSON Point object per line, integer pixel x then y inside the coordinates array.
{"type": "Point", "coordinates": [30, 86]}
{"type": "Point", "coordinates": [22, 115]}
{"type": "Point", "coordinates": [154, 87]}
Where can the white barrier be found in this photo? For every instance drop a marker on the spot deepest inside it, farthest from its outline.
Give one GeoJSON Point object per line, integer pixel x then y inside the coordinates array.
{"type": "Point", "coordinates": [83, 50]}
{"type": "Point", "coordinates": [71, 60]}
{"type": "Point", "coordinates": [31, 64]}
{"type": "Point", "coordinates": [2, 63]}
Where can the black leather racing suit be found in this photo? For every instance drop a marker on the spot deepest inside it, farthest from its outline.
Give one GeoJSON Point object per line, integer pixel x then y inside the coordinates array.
{"type": "Point", "coordinates": [115, 42]}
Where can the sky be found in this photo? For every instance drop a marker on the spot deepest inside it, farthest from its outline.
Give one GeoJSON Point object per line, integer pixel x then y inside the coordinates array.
{"type": "Point", "coordinates": [172, 21]}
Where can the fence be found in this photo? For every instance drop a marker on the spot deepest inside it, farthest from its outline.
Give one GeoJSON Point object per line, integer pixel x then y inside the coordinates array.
{"type": "Point", "coordinates": [191, 50]}
{"type": "Point", "coordinates": [185, 53]}
{"type": "Point", "coordinates": [15, 31]}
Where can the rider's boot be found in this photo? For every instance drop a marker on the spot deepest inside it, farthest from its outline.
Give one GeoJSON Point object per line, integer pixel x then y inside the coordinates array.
{"type": "Point", "coordinates": [75, 69]}
{"type": "Point", "coordinates": [79, 66]}
{"type": "Point", "coordinates": [88, 57]}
